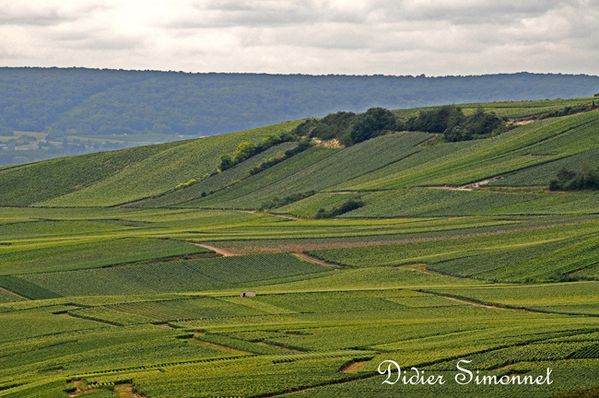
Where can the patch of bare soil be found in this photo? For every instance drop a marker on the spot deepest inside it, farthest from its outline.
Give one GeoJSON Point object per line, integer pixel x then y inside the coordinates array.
{"type": "Point", "coordinates": [467, 187]}
{"type": "Point", "coordinates": [280, 215]}
{"type": "Point", "coordinates": [450, 188]}
{"type": "Point", "coordinates": [419, 268]}
{"type": "Point", "coordinates": [127, 391]}
{"type": "Point", "coordinates": [353, 367]}
{"type": "Point", "coordinates": [332, 144]}
{"type": "Point", "coordinates": [222, 252]}
{"type": "Point", "coordinates": [481, 183]}
{"type": "Point", "coordinates": [522, 122]}
{"type": "Point", "coordinates": [314, 260]}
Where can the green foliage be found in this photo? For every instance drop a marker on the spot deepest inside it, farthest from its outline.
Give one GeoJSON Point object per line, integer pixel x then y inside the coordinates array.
{"type": "Point", "coordinates": [215, 182]}
{"type": "Point", "coordinates": [347, 127]}
{"type": "Point", "coordinates": [246, 150]}
{"type": "Point", "coordinates": [149, 176]}
{"type": "Point", "coordinates": [437, 120]}
{"type": "Point", "coordinates": [186, 184]}
{"type": "Point", "coordinates": [278, 202]}
{"type": "Point", "coordinates": [455, 126]}
{"type": "Point", "coordinates": [92, 105]}
{"type": "Point", "coordinates": [372, 123]}
{"type": "Point", "coordinates": [99, 101]}
{"type": "Point", "coordinates": [332, 126]}
{"type": "Point", "coordinates": [567, 180]}
{"type": "Point", "coordinates": [25, 185]}
{"type": "Point", "coordinates": [469, 161]}
{"type": "Point", "coordinates": [568, 110]}
{"type": "Point", "coordinates": [410, 202]}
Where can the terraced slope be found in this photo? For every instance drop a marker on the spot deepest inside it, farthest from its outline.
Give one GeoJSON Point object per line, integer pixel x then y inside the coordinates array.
{"type": "Point", "coordinates": [465, 162]}
{"type": "Point", "coordinates": [218, 181]}
{"type": "Point", "coordinates": [339, 166]}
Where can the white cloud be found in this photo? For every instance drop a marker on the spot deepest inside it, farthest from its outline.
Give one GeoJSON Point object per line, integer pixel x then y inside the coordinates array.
{"type": "Point", "coordinates": [305, 36]}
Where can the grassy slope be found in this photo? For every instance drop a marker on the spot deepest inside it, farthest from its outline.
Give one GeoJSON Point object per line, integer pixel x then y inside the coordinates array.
{"type": "Point", "coordinates": [326, 172]}
{"type": "Point", "coordinates": [471, 161]}
{"type": "Point", "coordinates": [163, 171]}
{"type": "Point", "coordinates": [218, 181]}
{"type": "Point", "coordinates": [42, 181]}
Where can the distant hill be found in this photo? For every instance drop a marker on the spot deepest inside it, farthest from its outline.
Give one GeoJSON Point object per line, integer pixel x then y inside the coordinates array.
{"type": "Point", "coordinates": [86, 110]}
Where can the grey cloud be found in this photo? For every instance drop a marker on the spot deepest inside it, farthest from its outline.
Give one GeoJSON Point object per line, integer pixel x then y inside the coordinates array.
{"type": "Point", "coordinates": [310, 36]}
{"type": "Point", "coordinates": [51, 17]}
{"type": "Point", "coordinates": [45, 14]}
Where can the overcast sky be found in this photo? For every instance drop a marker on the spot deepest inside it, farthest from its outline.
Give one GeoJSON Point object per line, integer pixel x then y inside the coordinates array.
{"type": "Point", "coordinates": [305, 36]}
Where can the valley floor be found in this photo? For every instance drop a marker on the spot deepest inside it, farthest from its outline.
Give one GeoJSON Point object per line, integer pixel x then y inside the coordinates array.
{"type": "Point", "coordinates": [107, 302]}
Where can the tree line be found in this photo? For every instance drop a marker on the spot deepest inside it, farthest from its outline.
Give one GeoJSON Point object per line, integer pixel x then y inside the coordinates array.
{"type": "Point", "coordinates": [350, 128]}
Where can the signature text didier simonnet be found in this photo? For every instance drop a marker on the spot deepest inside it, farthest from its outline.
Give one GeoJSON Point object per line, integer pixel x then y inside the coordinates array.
{"type": "Point", "coordinates": [414, 376]}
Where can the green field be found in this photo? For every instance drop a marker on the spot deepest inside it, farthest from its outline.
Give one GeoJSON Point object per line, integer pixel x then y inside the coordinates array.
{"type": "Point", "coordinates": [115, 283]}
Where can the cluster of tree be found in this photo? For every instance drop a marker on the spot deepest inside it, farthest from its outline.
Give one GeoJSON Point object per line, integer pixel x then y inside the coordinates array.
{"type": "Point", "coordinates": [568, 180]}
{"type": "Point", "coordinates": [454, 124]}
{"type": "Point", "coordinates": [301, 146]}
{"type": "Point", "coordinates": [349, 128]}
{"type": "Point", "coordinates": [246, 150]}
{"type": "Point", "coordinates": [345, 207]}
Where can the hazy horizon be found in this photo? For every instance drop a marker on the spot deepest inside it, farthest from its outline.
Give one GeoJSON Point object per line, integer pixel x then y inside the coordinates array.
{"type": "Point", "coordinates": [295, 73]}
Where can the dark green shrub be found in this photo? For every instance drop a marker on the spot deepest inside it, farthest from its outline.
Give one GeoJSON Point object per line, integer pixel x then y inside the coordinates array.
{"type": "Point", "coordinates": [455, 126]}
{"type": "Point", "coordinates": [567, 180]}
{"type": "Point", "coordinates": [345, 207]}
{"type": "Point", "coordinates": [437, 120]}
{"type": "Point", "coordinates": [278, 202]}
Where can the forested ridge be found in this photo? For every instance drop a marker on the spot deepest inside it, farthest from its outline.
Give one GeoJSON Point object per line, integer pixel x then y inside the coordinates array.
{"type": "Point", "coordinates": [91, 101]}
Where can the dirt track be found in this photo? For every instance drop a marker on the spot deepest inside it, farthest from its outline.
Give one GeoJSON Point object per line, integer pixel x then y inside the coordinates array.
{"type": "Point", "coordinates": [315, 260]}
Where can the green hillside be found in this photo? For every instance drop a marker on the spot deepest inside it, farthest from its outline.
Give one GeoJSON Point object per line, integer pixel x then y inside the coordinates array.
{"type": "Point", "coordinates": [121, 176]}
{"type": "Point", "coordinates": [243, 265]}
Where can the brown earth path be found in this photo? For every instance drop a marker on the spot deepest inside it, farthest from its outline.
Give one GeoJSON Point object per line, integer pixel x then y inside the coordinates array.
{"type": "Point", "coordinates": [314, 260]}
